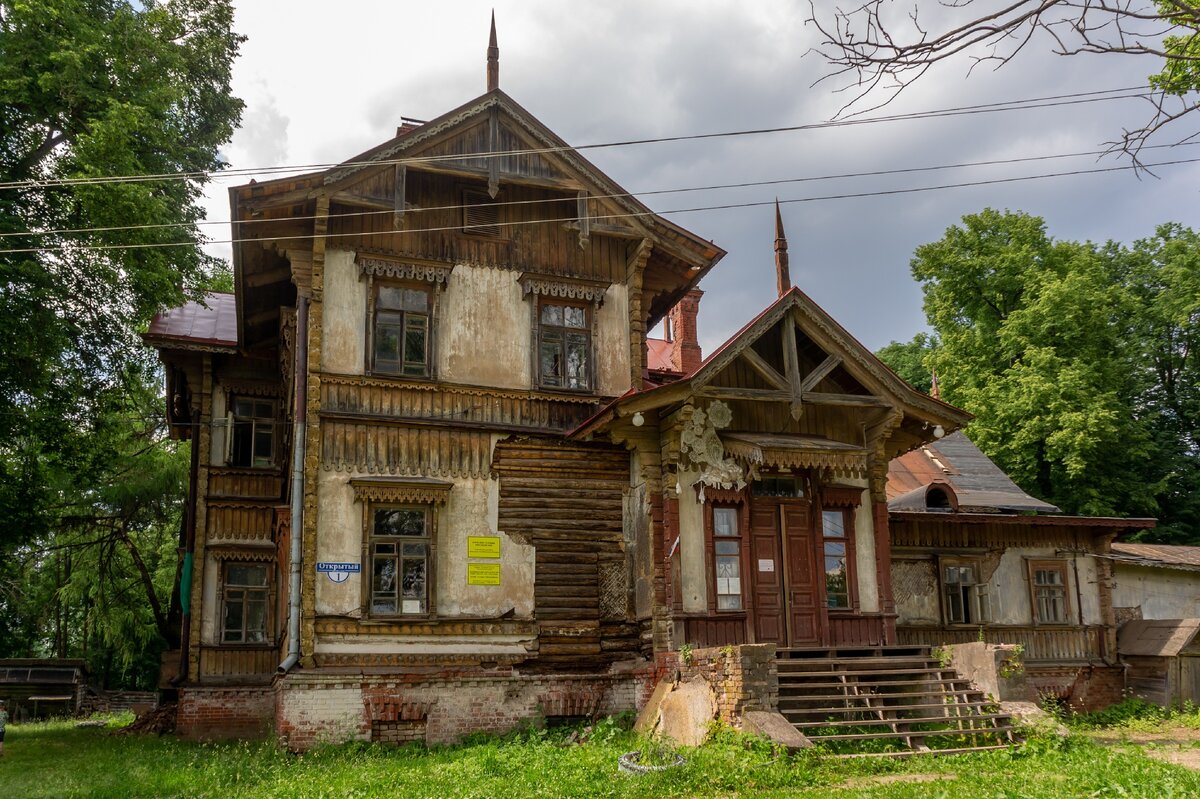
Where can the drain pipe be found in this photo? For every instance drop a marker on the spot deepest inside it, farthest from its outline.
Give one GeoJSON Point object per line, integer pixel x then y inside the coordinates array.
{"type": "Point", "coordinates": [299, 417]}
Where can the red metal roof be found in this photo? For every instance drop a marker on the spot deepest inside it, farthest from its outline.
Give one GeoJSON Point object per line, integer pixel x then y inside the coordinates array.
{"type": "Point", "coordinates": [658, 356]}
{"type": "Point", "coordinates": [208, 324]}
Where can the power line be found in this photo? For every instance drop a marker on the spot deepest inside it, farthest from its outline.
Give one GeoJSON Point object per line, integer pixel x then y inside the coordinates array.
{"type": "Point", "coordinates": [1050, 101]}
{"type": "Point", "coordinates": [620, 195]}
{"type": "Point", "coordinates": [631, 215]}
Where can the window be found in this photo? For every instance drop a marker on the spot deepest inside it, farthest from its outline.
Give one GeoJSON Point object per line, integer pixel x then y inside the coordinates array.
{"type": "Point", "coordinates": [965, 597]}
{"type": "Point", "coordinates": [727, 558]}
{"type": "Point", "coordinates": [836, 543]}
{"type": "Point", "coordinates": [778, 486]}
{"type": "Point", "coordinates": [246, 590]}
{"type": "Point", "coordinates": [564, 346]}
{"type": "Point", "coordinates": [481, 215]}
{"type": "Point", "coordinates": [401, 330]}
{"type": "Point", "coordinates": [250, 433]}
{"type": "Point", "coordinates": [399, 551]}
{"type": "Point", "coordinates": [1048, 582]}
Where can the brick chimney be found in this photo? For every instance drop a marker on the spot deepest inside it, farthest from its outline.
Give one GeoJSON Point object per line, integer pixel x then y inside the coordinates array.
{"type": "Point", "coordinates": [685, 344]}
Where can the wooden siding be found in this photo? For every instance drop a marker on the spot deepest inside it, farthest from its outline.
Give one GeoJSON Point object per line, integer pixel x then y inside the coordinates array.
{"type": "Point", "coordinates": [714, 630]}
{"type": "Point", "coordinates": [376, 399]}
{"type": "Point", "coordinates": [568, 501]}
{"type": "Point", "coordinates": [856, 630]}
{"type": "Point", "coordinates": [938, 534]}
{"type": "Point", "coordinates": [238, 520]}
{"type": "Point", "coordinates": [239, 663]}
{"type": "Point", "coordinates": [244, 484]}
{"type": "Point", "coordinates": [533, 236]}
{"type": "Point", "coordinates": [361, 446]}
{"type": "Point", "coordinates": [1046, 644]}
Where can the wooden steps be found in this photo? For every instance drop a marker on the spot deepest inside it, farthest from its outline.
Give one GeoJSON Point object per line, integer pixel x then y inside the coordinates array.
{"type": "Point", "coordinates": [842, 697]}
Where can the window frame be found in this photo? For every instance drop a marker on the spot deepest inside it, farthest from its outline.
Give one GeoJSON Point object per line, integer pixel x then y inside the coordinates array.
{"type": "Point", "coordinates": [429, 540]}
{"type": "Point", "coordinates": [741, 537]}
{"type": "Point", "coordinates": [268, 593]}
{"type": "Point", "coordinates": [980, 596]}
{"type": "Point", "coordinates": [847, 541]}
{"type": "Point", "coordinates": [1033, 566]}
{"type": "Point", "coordinates": [432, 292]}
{"type": "Point", "coordinates": [233, 422]}
{"type": "Point", "coordinates": [587, 331]}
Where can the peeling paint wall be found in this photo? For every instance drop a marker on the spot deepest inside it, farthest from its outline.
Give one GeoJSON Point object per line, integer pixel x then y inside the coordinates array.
{"type": "Point", "coordinates": [217, 448]}
{"type": "Point", "coordinates": [344, 315]}
{"type": "Point", "coordinates": [483, 336]}
{"type": "Point", "coordinates": [612, 342]}
{"type": "Point", "coordinates": [864, 552]}
{"type": "Point", "coordinates": [470, 510]}
{"type": "Point", "coordinates": [1160, 593]}
{"type": "Point", "coordinates": [693, 558]}
{"type": "Point", "coordinates": [915, 585]}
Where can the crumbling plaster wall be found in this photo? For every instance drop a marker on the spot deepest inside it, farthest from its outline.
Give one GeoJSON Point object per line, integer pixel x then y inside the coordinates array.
{"type": "Point", "coordinates": [1159, 593]}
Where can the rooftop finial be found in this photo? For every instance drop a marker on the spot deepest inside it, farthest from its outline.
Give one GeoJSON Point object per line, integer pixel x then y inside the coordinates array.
{"type": "Point", "coordinates": [783, 278]}
{"type": "Point", "coordinates": [935, 390]}
{"type": "Point", "coordinates": [493, 58]}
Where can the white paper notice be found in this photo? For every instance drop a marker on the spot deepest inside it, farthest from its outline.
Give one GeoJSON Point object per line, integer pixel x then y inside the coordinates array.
{"type": "Point", "coordinates": [766, 565]}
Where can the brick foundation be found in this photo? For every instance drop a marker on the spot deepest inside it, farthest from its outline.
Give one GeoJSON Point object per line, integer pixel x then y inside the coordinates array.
{"type": "Point", "coordinates": [1082, 688]}
{"type": "Point", "coordinates": [312, 707]}
{"type": "Point", "coordinates": [741, 678]}
{"type": "Point", "coordinates": [223, 713]}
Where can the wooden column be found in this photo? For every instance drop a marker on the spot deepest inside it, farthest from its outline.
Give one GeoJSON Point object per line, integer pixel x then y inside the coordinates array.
{"type": "Point", "coordinates": [637, 316]}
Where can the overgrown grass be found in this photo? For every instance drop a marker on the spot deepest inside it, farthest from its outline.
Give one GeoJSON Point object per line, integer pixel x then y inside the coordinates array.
{"type": "Point", "coordinates": [1137, 715]}
{"type": "Point", "coordinates": [59, 760]}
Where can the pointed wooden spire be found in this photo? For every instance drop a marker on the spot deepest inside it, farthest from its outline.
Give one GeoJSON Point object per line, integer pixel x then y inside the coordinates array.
{"type": "Point", "coordinates": [493, 58]}
{"type": "Point", "coordinates": [935, 390]}
{"type": "Point", "coordinates": [783, 278]}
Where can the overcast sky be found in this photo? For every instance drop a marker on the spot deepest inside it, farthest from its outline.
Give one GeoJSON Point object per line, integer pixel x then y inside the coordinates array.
{"type": "Point", "coordinates": [325, 81]}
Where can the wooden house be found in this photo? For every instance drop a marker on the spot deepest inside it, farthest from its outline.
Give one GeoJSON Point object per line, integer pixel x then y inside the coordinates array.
{"type": "Point", "coordinates": [442, 481]}
{"type": "Point", "coordinates": [976, 558]}
{"type": "Point", "coordinates": [1163, 660]}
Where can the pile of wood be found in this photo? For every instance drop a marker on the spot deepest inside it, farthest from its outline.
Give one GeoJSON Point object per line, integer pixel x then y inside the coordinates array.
{"type": "Point", "coordinates": [159, 721]}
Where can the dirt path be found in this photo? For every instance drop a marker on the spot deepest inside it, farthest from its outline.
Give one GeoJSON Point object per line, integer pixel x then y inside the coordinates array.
{"type": "Point", "coordinates": [1177, 745]}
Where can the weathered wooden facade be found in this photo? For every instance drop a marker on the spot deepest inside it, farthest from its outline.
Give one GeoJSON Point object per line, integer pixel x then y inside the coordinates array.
{"type": "Point", "coordinates": [976, 558]}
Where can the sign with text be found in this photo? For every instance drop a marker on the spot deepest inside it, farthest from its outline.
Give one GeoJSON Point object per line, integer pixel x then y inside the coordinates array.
{"type": "Point", "coordinates": [483, 574]}
{"type": "Point", "coordinates": [338, 572]}
{"type": "Point", "coordinates": [483, 546]}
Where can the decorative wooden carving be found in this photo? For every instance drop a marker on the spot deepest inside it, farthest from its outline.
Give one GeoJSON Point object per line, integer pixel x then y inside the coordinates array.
{"type": "Point", "coordinates": [417, 492]}
{"type": "Point", "coordinates": [380, 449]}
{"type": "Point", "coordinates": [447, 627]}
{"type": "Point", "coordinates": [242, 552]}
{"type": "Point", "coordinates": [564, 288]}
{"type": "Point", "coordinates": [404, 269]}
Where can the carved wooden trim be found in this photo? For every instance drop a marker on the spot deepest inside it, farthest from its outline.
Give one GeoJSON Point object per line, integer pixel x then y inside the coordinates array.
{"type": "Point", "coordinates": [250, 388]}
{"type": "Point", "coordinates": [421, 492]}
{"type": "Point", "coordinates": [416, 269]}
{"type": "Point", "coordinates": [592, 291]}
{"type": "Point", "coordinates": [377, 381]}
{"type": "Point", "coordinates": [246, 552]}
{"type": "Point", "coordinates": [841, 496]}
{"type": "Point", "coordinates": [448, 627]}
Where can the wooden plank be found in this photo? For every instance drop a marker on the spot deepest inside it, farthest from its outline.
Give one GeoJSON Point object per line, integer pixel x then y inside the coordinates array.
{"type": "Point", "coordinates": [765, 369]}
{"type": "Point", "coordinates": [791, 364]}
{"type": "Point", "coordinates": [818, 374]}
{"type": "Point", "coordinates": [751, 394]}
{"type": "Point", "coordinates": [854, 400]}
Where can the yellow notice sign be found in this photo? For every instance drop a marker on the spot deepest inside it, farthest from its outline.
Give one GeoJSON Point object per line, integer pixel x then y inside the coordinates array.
{"type": "Point", "coordinates": [483, 546]}
{"type": "Point", "coordinates": [483, 574]}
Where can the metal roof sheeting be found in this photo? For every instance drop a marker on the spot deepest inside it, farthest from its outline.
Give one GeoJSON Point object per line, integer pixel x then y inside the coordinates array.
{"type": "Point", "coordinates": [1156, 637]}
{"type": "Point", "coordinates": [208, 324]}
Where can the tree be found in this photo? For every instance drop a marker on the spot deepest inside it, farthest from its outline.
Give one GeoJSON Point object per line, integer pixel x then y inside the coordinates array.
{"type": "Point", "coordinates": [1080, 362]}
{"type": "Point", "coordinates": [908, 360]}
{"type": "Point", "coordinates": [881, 49]}
{"type": "Point", "coordinates": [90, 488]}
{"type": "Point", "coordinates": [96, 88]}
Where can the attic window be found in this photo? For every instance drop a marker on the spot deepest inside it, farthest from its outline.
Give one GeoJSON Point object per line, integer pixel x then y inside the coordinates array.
{"type": "Point", "coordinates": [481, 214]}
{"type": "Point", "coordinates": [937, 498]}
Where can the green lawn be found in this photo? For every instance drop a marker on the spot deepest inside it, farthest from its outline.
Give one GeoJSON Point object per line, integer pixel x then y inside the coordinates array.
{"type": "Point", "coordinates": [59, 760]}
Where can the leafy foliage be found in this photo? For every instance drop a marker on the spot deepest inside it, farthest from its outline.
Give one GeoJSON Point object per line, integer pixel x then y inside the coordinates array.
{"type": "Point", "coordinates": [89, 485]}
{"type": "Point", "coordinates": [907, 359]}
{"type": "Point", "coordinates": [1079, 361]}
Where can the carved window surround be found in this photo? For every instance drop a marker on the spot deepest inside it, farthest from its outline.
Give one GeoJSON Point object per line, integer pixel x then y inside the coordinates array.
{"type": "Point", "coordinates": [417, 491]}
{"type": "Point", "coordinates": [415, 269]}
{"type": "Point", "coordinates": [564, 288]}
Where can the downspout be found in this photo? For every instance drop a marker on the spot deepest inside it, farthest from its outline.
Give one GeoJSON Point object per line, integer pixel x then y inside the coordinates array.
{"type": "Point", "coordinates": [299, 433]}
{"type": "Point", "coordinates": [189, 549]}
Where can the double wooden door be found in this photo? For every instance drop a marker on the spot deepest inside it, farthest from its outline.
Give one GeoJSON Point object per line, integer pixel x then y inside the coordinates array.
{"type": "Point", "coordinates": [788, 608]}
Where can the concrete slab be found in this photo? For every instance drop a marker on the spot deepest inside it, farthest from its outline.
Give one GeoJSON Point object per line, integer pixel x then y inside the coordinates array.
{"type": "Point", "coordinates": [647, 719]}
{"type": "Point", "coordinates": [686, 713]}
{"type": "Point", "coordinates": [773, 726]}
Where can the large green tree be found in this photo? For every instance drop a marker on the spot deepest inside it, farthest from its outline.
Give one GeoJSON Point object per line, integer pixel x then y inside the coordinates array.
{"type": "Point", "coordinates": [92, 90]}
{"type": "Point", "coordinates": [1079, 361]}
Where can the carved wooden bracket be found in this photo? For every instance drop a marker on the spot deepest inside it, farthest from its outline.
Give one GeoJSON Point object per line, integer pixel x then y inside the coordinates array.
{"type": "Point", "coordinates": [564, 288]}
{"type": "Point", "coordinates": [415, 490]}
{"type": "Point", "coordinates": [405, 269]}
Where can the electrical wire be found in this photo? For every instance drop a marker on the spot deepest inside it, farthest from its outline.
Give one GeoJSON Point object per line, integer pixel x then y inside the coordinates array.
{"type": "Point", "coordinates": [617, 216]}
{"type": "Point", "coordinates": [1051, 101]}
{"type": "Point", "coordinates": [620, 195]}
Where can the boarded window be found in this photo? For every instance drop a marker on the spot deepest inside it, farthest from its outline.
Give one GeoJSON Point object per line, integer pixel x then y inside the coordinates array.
{"type": "Point", "coordinates": [481, 215]}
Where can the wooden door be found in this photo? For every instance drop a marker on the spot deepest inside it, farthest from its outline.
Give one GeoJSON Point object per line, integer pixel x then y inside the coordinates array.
{"type": "Point", "coordinates": [805, 608]}
{"type": "Point", "coordinates": [766, 573]}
